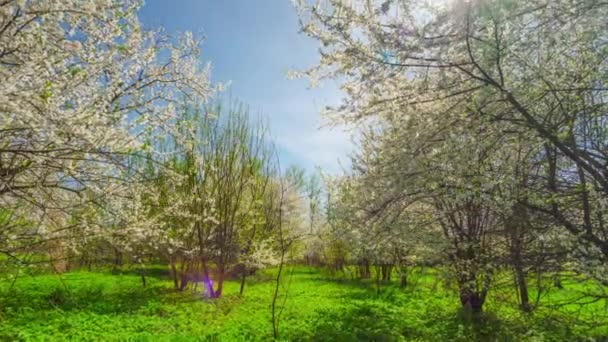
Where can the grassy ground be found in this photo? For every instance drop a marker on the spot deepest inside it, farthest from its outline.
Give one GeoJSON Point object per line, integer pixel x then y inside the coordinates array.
{"type": "Point", "coordinates": [105, 306]}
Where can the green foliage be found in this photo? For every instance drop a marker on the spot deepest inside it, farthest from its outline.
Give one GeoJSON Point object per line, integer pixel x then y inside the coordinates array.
{"type": "Point", "coordinates": [102, 306]}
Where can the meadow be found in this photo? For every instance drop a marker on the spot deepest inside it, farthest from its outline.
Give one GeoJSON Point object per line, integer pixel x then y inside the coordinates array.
{"type": "Point", "coordinates": [464, 142]}
{"type": "Point", "coordinates": [318, 306]}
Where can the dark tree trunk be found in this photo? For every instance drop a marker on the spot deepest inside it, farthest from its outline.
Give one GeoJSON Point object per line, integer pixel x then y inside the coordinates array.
{"type": "Point", "coordinates": [211, 291]}
{"type": "Point", "coordinates": [403, 282]}
{"type": "Point", "coordinates": [184, 275]}
{"type": "Point", "coordinates": [220, 282]}
{"type": "Point", "coordinates": [174, 274]}
{"type": "Point", "coordinates": [517, 224]}
{"type": "Point", "coordinates": [361, 269]}
{"type": "Point", "coordinates": [471, 300]}
{"type": "Point", "coordinates": [522, 285]}
{"type": "Point", "coordinates": [557, 281]}
{"type": "Point", "coordinates": [378, 272]}
{"type": "Point", "coordinates": [339, 265]}
{"type": "Point", "coordinates": [142, 272]}
{"type": "Point", "coordinates": [117, 260]}
{"type": "Point", "coordinates": [387, 269]}
{"type": "Point", "coordinates": [242, 288]}
{"type": "Point", "coordinates": [364, 269]}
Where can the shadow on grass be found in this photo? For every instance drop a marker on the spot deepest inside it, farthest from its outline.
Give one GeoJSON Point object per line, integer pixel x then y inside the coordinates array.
{"type": "Point", "coordinates": [154, 271]}
{"type": "Point", "coordinates": [91, 298]}
{"type": "Point", "coordinates": [394, 314]}
{"type": "Point", "coordinates": [387, 291]}
{"type": "Point", "coordinates": [369, 322]}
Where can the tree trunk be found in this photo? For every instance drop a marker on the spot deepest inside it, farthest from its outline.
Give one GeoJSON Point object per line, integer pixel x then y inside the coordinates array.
{"type": "Point", "coordinates": [339, 264]}
{"type": "Point", "coordinates": [378, 271]}
{"type": "Point", "coordinates": [516, 225]}
{"type": "Point", "coordinates": [142, 271]}
{"type": "Point", "coordinates": [242, 288]}
{"type": "Point", "coordinates": [522, 285]}
{"type": "Point", "coordinates": [207, 280]}
{"type": "Point", "coordinates": [557, 281]}
{"type": "Point", "coordinates": [174, 274]}
{"type": "Point", "coordinates": [117, 260]}
{"type": "Point", "coordinates": [143, 279]}
{"type": "Point", "coordinates": [220, 282]}
{"type": "Point", "coordinates": [471, 300]}
{"type": "Point", "coordinates": [184, 275]}
{"type": "Point", "coordinates": [364, 269]}
{"type": "Point", "coordinates": [387, 269]}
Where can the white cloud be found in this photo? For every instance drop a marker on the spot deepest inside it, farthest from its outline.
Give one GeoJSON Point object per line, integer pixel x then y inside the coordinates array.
{"type": "Point", "coordinates": [327, 148]}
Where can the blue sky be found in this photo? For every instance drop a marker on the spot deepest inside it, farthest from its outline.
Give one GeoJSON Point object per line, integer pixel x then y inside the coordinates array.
{"type": "Point", "coordinates": [252, 44]}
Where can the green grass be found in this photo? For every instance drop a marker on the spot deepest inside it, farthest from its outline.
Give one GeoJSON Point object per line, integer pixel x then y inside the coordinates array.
{"type": "Point", "coordinates": [105, 306]}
